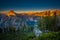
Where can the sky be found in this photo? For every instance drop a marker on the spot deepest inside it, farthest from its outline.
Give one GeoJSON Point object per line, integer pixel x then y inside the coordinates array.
{"type": "Point", "coordinates": [29, 5]}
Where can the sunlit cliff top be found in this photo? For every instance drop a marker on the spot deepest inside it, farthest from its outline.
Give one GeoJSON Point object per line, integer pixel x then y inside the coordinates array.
{"type": "Point", "coordinates": [41, 13]}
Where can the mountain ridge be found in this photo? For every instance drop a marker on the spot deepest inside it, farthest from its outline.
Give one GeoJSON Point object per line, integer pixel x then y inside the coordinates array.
{"type": "Point", "coordinates": [43, 13]}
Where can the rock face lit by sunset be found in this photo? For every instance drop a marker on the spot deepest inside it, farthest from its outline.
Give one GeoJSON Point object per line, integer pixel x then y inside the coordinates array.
{"type": "Point", "coordinates": [41, 13]}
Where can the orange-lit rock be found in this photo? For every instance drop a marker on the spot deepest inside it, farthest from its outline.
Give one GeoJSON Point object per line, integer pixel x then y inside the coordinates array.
{"type": "Point", "coordinates": [43, 13]}
{"type": "Point", "coordinates": [11, 13]}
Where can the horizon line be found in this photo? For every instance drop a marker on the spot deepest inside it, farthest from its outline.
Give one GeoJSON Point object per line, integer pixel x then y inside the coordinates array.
{"type": "Point", "coordinates": [19, 11]}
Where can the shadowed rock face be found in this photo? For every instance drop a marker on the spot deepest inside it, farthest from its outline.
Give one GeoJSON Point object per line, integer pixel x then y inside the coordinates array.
{"type": "Point", "coordinates": [12, 19]}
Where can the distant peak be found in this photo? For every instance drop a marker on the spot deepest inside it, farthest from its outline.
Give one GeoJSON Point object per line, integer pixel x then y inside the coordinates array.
{"type": "Point", "coordinates": [11, 13]}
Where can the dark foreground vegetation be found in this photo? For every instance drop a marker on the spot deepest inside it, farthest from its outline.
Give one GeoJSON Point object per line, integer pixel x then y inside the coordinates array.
{"type": "Point", "coordinates": [19, 36]}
